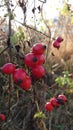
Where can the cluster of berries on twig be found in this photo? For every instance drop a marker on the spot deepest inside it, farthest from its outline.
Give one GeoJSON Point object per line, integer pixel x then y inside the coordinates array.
{"type": "Point", "coordinates": [32, 60]}
{"type": "Point", "coordinates": [55, 102]}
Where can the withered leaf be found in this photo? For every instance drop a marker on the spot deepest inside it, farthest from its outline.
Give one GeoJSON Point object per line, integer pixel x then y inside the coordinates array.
{"type": "Point", "coordinates": [33, 10]}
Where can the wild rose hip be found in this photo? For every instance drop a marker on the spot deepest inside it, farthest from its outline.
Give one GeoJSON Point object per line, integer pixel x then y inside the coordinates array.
{"type": "Point", "coordinates": [62, 97]}
{"type": "Point", "coordinates": [19, 75]}
{"type": "Point", "coordinates": [2, 117]}
{"type": "Point", "coordinates": [41, 59]}
{"type": "Point", "coordinates": [54, 102]}
{"type": "Point", "coordinates": [48, 107]}
{"type": "Point", "coordinates": [38, 71]}
{"type": "Point", "coordinates": [59, 39]}
{"type": "Point", "coordinates": [26, 84]}
{"type": "Point", "coordinates": [38, 48]}
{"type": "Point", "coordinates": [8, 68]}
{"type": "Point", "coordinates": [57, 42]}
{"type": "Point", "coordinates": [30, 60]}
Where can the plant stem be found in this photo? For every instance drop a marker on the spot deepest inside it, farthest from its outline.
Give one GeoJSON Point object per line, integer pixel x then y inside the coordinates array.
{"type": "Point", "coordinates": [10, 54]}
{"type": "Point", "coordinates": [50, 120]}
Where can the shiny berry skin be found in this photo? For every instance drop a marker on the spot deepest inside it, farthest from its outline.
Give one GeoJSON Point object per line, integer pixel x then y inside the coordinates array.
{"type": "Point", "coordinates": [2, 117]}
{"type": "Point", "coordinates": [41, 59]}
{"type": "Point", "coordinates": [19, 75]}
{"type": "Point", "coordinates": [48, 107]}
{"type": "Point", "coordinates": [8, 68]}
{"type": "Point", "coordinates": [54, 103]}
{"type": "Point", "coordinates": [38, 71]}
{"type": "Point", "coordinates": [59, 39]}
{"type": "Point", "coordinates": [62, 97]}
{"type": "Point", "coordinates": [26, 84]}
{"type": "Point", "coordinates": [56, 44]}
{"type": "Point", "coordinates": [30, 60]}
{"type": "Point", "coordinates": [38, 48]}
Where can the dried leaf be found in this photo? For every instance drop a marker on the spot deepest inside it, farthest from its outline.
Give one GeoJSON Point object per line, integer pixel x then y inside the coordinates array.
{"type": "Point", "coordinates": [33, 10]}
{"type": "Point", "coordinates": [17, 48]}
{"type": "Point", "coordinates": [39, 8]}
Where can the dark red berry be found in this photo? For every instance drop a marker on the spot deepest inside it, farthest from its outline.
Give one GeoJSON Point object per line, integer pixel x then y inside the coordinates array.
{"type": "Point", "coordinates": [30, 60]}
{"type": "Point", "coordinates": [63, 97]}
{"type": "Point", "coordinates": [41, 59]}
{"type": "Point", "coordinates": [26, 84]}
{"type": "Point", "coordinates": [56, 44]}
{"type": "Point", "coordinates": [48, 107]}
{"type": "Point", "coordinates": [38, 48]}
{"type": "Point", "coordinates": [54, 102]}
{"type": "Point", "coordinates": [2, 117]}
{"type": "Point", "coordinates": [59, 39]}
{"type": "Point", "coordinates": [8, 68]}
{"type": "Point", "coordinates": [19, 75]}
{"type": "Point", "coordinates": [38, 71]}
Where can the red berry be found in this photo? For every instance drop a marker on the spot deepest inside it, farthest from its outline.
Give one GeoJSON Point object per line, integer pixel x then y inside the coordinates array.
{"type": "Point", "coordinates": [38, 48]}
{"type": "Point", "coordinates": [41, 59]}
{"type": "Point", "coordinates": [56, 44]}
{"type": "Point", "coordinates": [48, 107]}
{"type": "Point", "coordinates": [59, 39]}
{"type": "Point", "coordinates": [62, 97]}
{"type": "Point", "coordinates": [53, 101]}
{"type": "Point", "coordinates": [30, 60]}
{"type": "Point", "coordinates": [2, 117]}
{"type": "Point", "coordinates": [19, 75]}
{"type": "Point", "coordinates": [8, 68]}
{"type": "Point", "coordinates": [26, 83]}
{"type": "Point", "coordinates": [38, 71]}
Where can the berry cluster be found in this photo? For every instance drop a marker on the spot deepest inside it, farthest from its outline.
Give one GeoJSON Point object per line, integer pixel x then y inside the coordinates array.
{"type": "Point", "coordinates": [19, 75]}
{"type": "Point", "coordinates": [55, 102]}
{"type": "Point", "coordinates": [57, 42]}
{"type": "Point", "coordinates": [33, 60]}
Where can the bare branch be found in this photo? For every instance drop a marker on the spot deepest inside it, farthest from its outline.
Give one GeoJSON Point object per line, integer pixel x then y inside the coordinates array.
{"type": "Point", "coordinates": [32, 28]}
{"type": "Point", "coordinates": [43, 1]}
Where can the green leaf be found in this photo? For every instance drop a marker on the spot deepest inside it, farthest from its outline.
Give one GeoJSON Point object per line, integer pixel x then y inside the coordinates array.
{"type": "Point", "coordinates": [40, 115]}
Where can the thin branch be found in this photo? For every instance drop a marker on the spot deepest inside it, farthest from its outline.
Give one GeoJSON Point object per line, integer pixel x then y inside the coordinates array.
{"type": "Point", "coordinates": [43, 1]}
{"type": "Point", "coordinates": [33, 29]}
{"type": "Point", "coordinates": [4, 50]}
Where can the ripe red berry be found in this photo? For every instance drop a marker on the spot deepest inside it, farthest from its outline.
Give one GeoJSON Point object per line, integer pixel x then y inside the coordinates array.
{"type": "Point", "coordinates": [53, 101]}
{"type": "Point", "coordinates": [41, 59]}
{"type": "Point", "coordinates": [48, 107]}
{"type": "Point", "coordinates": [38, 48]}
{"type": "Point", "coordinates": [8, 68]}
{"type": "Point", "coordinates": [59, 39]}
{"type": "Point", "coordinates": [2, 117]}
{"type": "Point", "coordinates": [19, 75]}
{"type": "Point", "coordinates": [38, 71]}
{"type": "Point", "coordinates": [56, 44]}
{"type": "Point", "coordinates": [30, 60]}
{"type": "Point", "coordinates": [62, 97]}
{"type": "Point", "coordinates": [26, 83]}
